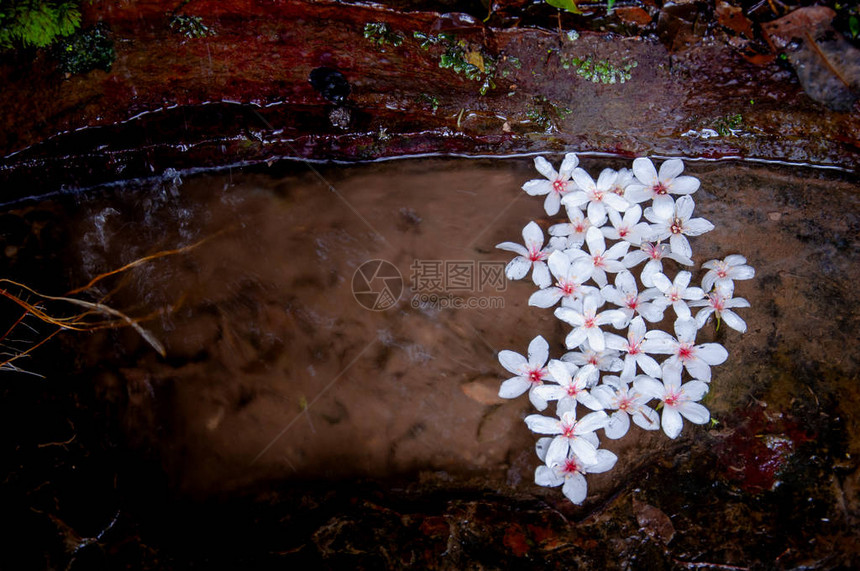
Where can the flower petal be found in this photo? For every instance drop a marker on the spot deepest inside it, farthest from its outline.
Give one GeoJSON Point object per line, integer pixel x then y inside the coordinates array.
{"type": "Point", "coordinates": [544, 167]}
{"type": "Point", "coordinates": [517, 268]}
{"type": "Point", "coordinates": [538, 351]}
{"type": "Point", "coordinates": [537, 187]}
{"type": "Point", "coordinates": [543, 424]}
{"type": "Point", "coordinates": [575, 488]}
{"type": "Point", "coordinates": [546, 297]}
{"type": "Point", "coordinates": [672, 422]}
{"type": "Point", "coordinates": [540, 275]}
{"type": "Point", "coordinates": [618, 425]}
{"type": "Point", "coordinates": [712, 353]}
{"type": "Point", "coordinates": [644, 170]}
{"type": "Point", "coordinates": [671, 168]}
{"type": "Point", "coordinates": [514, 387]}
{"type": "Point", "coordinates": [513, 362]}
{"type": "Point", "coordinates": [694, 412]}
{"type": "Point", "coordinates": [546, 476]}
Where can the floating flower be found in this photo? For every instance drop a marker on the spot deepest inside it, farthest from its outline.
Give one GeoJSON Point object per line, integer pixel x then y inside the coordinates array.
{"type": "Point", "coordinates": [574, 231]}
{"type": "Point", "coordinates": [628, 228]}
{"type": "Point", "coordinates": [569, 275]}
{"type": "Point", "coordinates": [570, 388]}
{"type": "Point", "coordinates": [606, 360]}
{"type": "Point", "coordinates": [672, 220]}
{"type": "Point", "coordinates": [597, 196]}
{"type": "Point", "coordinates": [570, 474]}
{"type": "Point", "coordinates": [654, 253]}
{"type": "Point", "coordinates": [557, 185]}
{"type": "Point", "coordinates": [586, 323]}
{"type": "Point", "coordinates": [651, 185]}
{"type": "Point", "coordinates": [628, 403]}
{"type": "Point", "coordinates": [720, 303]}
{"type": "Point", "coordinates": [697, 359]}
{"type": "Point", "coordinates": [722, 273]}
{"type": "Point", "coordinates": [530, 373]}
{"type": "Point", "coordinates": [626, 295]}
{"type": "Point", "coordinates": [635, 349]}
{"type": "Point", "coordinates": [623, 179]}
{"type": "Point", "coordinates": [602, 260]}
{"type": "Point", "coordinates": [676, 293]}
{"type": "Point", "coordinates": [569, 434]}
{"type": "Point", "coordinates": [678, 400]}
{"type": "Point", "coordinates": [531, 257]}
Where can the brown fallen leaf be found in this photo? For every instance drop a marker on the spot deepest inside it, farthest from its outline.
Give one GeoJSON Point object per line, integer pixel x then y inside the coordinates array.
{"type": "Point", "coordinates": [827, 65]}
{"type": "Point", "coordinates": [732, 17]}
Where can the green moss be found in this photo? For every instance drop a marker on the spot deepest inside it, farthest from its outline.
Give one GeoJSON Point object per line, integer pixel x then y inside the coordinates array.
{"type": "Point", "coordinates": [190, 26]}
{"type": "Point", "coordinates": [728, 124]}
{"type": "Point", "coordinates": [431, 100]}
{"type": "Point", "coordinates": [85, 51]}
{"type": "Point", "coordinates": [381, 34]}
{"type": "Point", "coordinates": [465, 58]}
{"type": "Point", "coordinates": [37, 23]}
{"type": "Point", "coordinates": [599, 71]}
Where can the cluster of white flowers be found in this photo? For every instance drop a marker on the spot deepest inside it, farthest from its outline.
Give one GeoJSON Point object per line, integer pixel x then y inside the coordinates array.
{"type": "Point", "coordinates": [615, 377]}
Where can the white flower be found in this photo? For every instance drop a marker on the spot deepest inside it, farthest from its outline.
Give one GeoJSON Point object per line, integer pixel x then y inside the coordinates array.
{"type": "Point", "coordinates": [628, 228]}
{"type": "Point", "coordinates": [570, 474]}
{"type": "Point", "coordinates": [626, 295]}
{"type": "Point", "coordinates": [530, 373]}
{"type": "Point", "coordinates": [530, 258]}
{"type": "Point", "coordinates": [627, 403]}
{"type": "Point", "coordinates": [633, 345]}
{"type": "Point", "coordinates": [586, 323]}
{"type": "Point", "coordinates": [672, 220]}
{"type": "Point", "coordinates": [676, 292]}
{"type": "Point", "coordinates": [573, 231]}
{"type": "Point", "coordinates": [678, 400]}
{"type": "Point", "coordinates": [606, 360]}
{"type": "Point", "coordinates": [570, 389]}
{"type": "Point", "coordinates": [724, 272]}
{"type": "Point", "coordinates": [697, 359]}
{"type": "Point", "coordinates": [622, 181]}
{"type": "Point", "coordinates": [570, 276]}
{"type": "Point", "coordinates": [557, 185]}
{"type": "Point", "coordinates": [597, 195]}
{"type": "Point", "coordinates": [720, 302]}
{"type": "Point", "coordinates": [602, 259]}
{"type": "Point", "coordinates": [654, 253]}
{"type": "Point", "coordinates": [569, 434]}
{"type": "Point", "coordinates": [649, 184]}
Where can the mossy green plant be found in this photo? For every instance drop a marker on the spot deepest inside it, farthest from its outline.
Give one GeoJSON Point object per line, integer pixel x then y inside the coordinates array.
{"type": "Point", "coordinates": [381, 34]}
{"type": "Point", "coordinates": [729, 124]}
{"type": "Point", "coordinates": [599, 70]}
{"type": "Point", "coordinates": [464, 58]}
{"type": "Point", "coordinates": [190, 26]}
{"type": "Point", "coordinates": [86, 50]}
{"type": "Point", "coordinates": [37, 23]}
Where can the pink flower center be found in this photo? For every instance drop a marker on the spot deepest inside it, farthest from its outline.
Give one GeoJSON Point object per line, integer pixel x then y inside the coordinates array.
{"type": "Point", "coordinates": [624, 404]}
{"type": "Point", "coordinates": [660, 188]}
{"type": "Point", "coordinates": [623, 231]}
{"type": "Point", "coordinates": [580, 227]}
{"type": "Point", "coordinates": [633, 348]}
{"type": "Point", "coordinates": [536, 376]}
{"type": "Point", "coordinates": [567, 431]}
{"type": "Point", "coordinates": [717, 302]}
{"type": "Point", "coordinates": [599, 262]}
{"type": "Point", "coordinates": [572, 391]}
{"type": "Point", "coordinates": [571, 466]}
{"type": "Point", "coordinates": [654, 251]}
{"type": "Point", "coordinates": [536, 255]}
{"type": "Point", "coordinates": [686, 352]}
{"type": "Point", "coordinates": [632, 301]}
{"type": "Point", "coordinates": [559, 186]}
{"type": "Point", "coordinates": [722, 270]}
{"type": "Point", "coordinates": [673, 295]}
{"type": "Point", "coordinates": [567, 288]}
{"type": "Point", "coordinates": [597, 196]}
{"type": "Point", "coordinates": [677, 226]}
{"type": "Point", "coordinates": [589, 322]}
{"type": "Point", "coordinates": [592, 359]}
{"type": "Point", "coordinates": [672, 399]}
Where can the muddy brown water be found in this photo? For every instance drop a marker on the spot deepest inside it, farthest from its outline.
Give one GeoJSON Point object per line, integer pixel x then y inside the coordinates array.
{"type": "Point", "coordinates": [274, 370]}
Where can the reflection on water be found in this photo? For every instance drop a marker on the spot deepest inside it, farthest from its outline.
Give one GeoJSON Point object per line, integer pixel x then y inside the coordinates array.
{"type": "Point", "coordinates": [275, 368]}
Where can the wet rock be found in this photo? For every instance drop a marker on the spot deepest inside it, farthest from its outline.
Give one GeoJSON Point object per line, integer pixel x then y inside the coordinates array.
{"type": "Point", "coordinates": [827, 65]}
{"type": "Point", "coordinates": [331, 84]}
